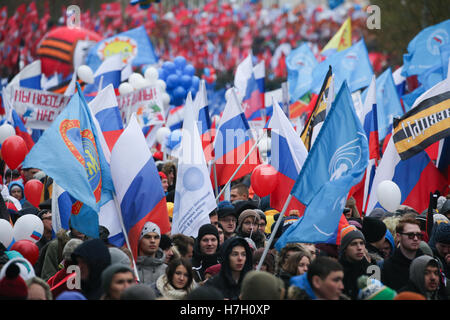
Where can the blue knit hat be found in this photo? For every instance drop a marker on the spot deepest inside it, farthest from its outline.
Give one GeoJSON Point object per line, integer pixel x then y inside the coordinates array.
{"type": "Point", "coordinates": [442, 233]}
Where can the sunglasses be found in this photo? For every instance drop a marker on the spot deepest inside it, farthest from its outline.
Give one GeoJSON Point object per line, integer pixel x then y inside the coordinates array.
{"type": "Point", "coordinates": [412, 235]}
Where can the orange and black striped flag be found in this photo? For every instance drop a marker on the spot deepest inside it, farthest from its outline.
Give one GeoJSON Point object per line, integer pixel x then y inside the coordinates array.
{"type": "Point", "coordinates": [319, 112]}
{"type": "Point", "coordinates": [423, 125]}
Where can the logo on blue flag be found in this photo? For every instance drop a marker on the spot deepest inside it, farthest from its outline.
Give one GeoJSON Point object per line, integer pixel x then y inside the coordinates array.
{"type": "Point", "coordinates": [336, 163]}
{"type": "Point", "coordinates": [300, 64]}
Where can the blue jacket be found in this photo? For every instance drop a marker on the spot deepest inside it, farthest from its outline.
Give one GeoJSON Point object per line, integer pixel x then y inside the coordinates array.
{"type": "Point", "coordinates": [303, 283]}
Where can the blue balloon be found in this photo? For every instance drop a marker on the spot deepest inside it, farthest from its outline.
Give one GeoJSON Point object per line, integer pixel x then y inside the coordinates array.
{"type": "Point", "coordinates": [186, 81]}
{"type": "Point", "coordinates": [189, 70]}
{"type": "Point", "coordinates": [195, 82]}
{"type": "Point", "coordinates": [174, 138]}
{"type": "Point", "coordinates": [193, 91]}
{"type": "Point", "coordinates": [169, 66]}
{"type": "Point", "coordinates": [162, 74]}
{"type": "Point", "coordinates": [180, 62]}
{"type": "Point", "coordinates": [179, 93]}
{"type": "Point", "coordinates": [172, 81]}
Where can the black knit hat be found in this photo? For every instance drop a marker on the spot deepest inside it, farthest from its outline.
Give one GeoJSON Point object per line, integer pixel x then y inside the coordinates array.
{"type": "Point", "coordinates": [442, 233]}
{"type": "Point", "coordinates": [226, 210]}
{"type": "Point", "coordinates": [373, 229]}
{"type": "Point", "coordinates": [208, 229]}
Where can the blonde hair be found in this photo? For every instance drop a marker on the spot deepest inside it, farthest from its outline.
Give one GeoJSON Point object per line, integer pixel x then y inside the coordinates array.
{"type": "Point", "coordinates": [43, 284]}
{"type": "Point", "coordinates": [391, 223]}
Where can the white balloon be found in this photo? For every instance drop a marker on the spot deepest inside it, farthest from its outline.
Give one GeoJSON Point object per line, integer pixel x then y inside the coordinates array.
{"type": "Point", "coordinates": [161, 84]}
{"type": "Point", "coordinates": [85, 73]}
{"type": "Point", "coordinates": [6, 131]}
{"type": "Point", "coordinates": [6, 233]}
{"type": "Point", "coordinates": [28, 227]}
{"type": "Point", "coordinates": [125, 88]}
{"type": "Point", "coordinates": [265, 144]}
{"type": "Point", "coordinates": [162, 134]}
{"type": "Point", "coordinates": [134, 79]}
{"type": "Point", "coordinates": [389, 195]}
{"type": "Point", "coordinates": [165, 99]}
{"type": "Point", "coordinates": [151, 73]}
{"type": "Point", "coordinates": [141, 83]}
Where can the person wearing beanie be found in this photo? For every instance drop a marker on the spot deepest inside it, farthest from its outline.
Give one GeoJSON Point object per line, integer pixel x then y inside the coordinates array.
{"type": "Point", "coordinates": [212, 271]}
{"type": "Point", "coordinates": [166, 245]}
{"type": "Point", "coordinates": [206, 251]}
{"type": "Point", "coordinates": [92, 257]}
{"type": "Point", "coordinates": [377, 292]}
{"type": "Point", "coordinates": [248, 227]}
{"type": "Point", "coordinates": [120, 257]}
{"type": "Point", "coordinates": [261, 285]}
{"type": "Point", "coordinates": [353, 258]}
{"type": "Point", "coordinates": [115, 279]}
{"type": "Point", "coordinates": [236, 258]}
{"type": "Point", "coordinates": [150, 261]}
{"type": "Point", "coordinates": [374, 231]}
{"type": "Point", "coordinates": [440, 245]}
{"type": "Point", "coordinates": [138, 291]}
{"type": "Point", "coordinates": [425, 279]}
{"type": "Point", "coordinates": [12, 286]}
{"type": "Point", "coordinates": [71, 295]}
{"type": "Point", "coordinates": [395, 271]}
{"type": "Point", "coordinates": [227, 218]}
{"type": "Point", "coordinates": [204, 293]}
{"type": "Point", "coordinates": [262, 222]}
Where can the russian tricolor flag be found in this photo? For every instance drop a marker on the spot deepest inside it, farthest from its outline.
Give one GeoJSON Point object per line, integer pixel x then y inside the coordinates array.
{"type": "Point", "coordinates": [204, 122]}
{"type": "Point", "coordinates": [175, 118]}
{"type": "Point", "coordinates": [137, 184]}
{"type": "Point", "coordinates": [416, 177]}
{"type": "Point", "coordinates": [288, 155]}
{"type": "Point", "coordinates": [233, 142]}
{"type": "Point", "coordinates": [109, 72]}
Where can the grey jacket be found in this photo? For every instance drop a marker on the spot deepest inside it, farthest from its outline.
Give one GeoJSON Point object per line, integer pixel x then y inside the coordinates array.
{"type": "Point", "coordinates": [150, 268]}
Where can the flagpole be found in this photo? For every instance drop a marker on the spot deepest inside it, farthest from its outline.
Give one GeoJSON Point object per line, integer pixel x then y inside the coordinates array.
{"type": "Point", "coordinates": [119, 211]}
{"type": "Point", "coordinates": [240, 166]}
{"type": "Point", "coordinates": [216, 188]}
{"type": "Point", "coordinates": [274, 232]}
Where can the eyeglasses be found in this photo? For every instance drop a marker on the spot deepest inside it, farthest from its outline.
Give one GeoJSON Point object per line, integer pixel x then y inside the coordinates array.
{"type": "Point", "coordinates": [412, 235]}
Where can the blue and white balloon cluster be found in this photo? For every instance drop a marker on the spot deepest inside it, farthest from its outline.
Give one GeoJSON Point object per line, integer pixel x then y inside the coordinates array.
{"type": "Point", "coordinates": [180, 78]}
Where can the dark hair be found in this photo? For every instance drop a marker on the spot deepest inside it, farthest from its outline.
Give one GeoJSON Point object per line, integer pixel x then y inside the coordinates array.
{"type": "Point", "coordinates": [173, 265]}
{"type": "Point", "coordinates": [322, 267]}
{"type": "Point", "coordinates": [182, 243]}
{"type": "Point", "coordinates": [406, 220]}
{"type": "Point", "coordinates": [241, 187]}
{"type": "Point", "coordinates": [293, 260]}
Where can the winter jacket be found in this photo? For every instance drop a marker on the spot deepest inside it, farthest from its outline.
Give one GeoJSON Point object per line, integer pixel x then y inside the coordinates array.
{"type": "Point", "coordinates": [395, 272]}
{"type": "Point", "coordinates": [164, 289]}
{"type": "Point", "coordinates": [416, 281]}
{"type": "Point", "coordinates": [151, 268]}
{"type": "Point", "coordinates": [201, 262]}
{"type": "Point", "coordinates": [352, 271]}
{"type": "Point", "coordinates": [97, 257]}
{"type": "Point", "coordinates": [224, 281]}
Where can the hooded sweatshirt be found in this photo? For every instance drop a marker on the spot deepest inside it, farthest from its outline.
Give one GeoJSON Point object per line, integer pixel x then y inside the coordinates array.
{"type": "Point", "coordinates": [201, 261]}
{"type": "Point", "coordinates": [96, 255]}
{"type": "Point", "coordinates": [416, 281]}
{"type": "Point", "coordinates": [224, 281]}
{"type": "Point", "coordinates": [151, 268]}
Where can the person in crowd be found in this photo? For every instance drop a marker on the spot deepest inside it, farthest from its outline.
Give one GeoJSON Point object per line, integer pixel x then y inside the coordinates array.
{"type": "Point", "coordinates": [150, 261]}
{"type": "Point", "coordinates": [165, 244]}
{"type": "Point", "coordinates": [353, 258]}
{"type": "Point", "coordinates": [227, 218]}
{"type": "Point", "coordinates": [115, 279]}
{"type": "Point", "coordinates": [183, 245]}
{"type": "Point", "coordinates": [214, 217]}
{"type": "Point", "coordinates": [38, 289]}
{"type": "Point", "coordinates": [212, 271]}
{"type": "Point", "coordinates": [92, 257]}
{"type": "Point", "coordinates": [262, 222]}
{"type": "Point", "coordinates": [323, 281]}
{"type": "Point", "coordinates": [440, 245]}
{"type": "Point", "coordinates": [46, 216]}
{"type": "Point", "coordinates": [138, 291]}
{"type": "Point", "coordinates": [236, 262]}
{"type": "Point", "coordinates": [395, 271]}
{"type": "Point", "coordinates": [28, 174]}
{"type": "Point", "coordinates": [164, 181]}
{"type": "Point", "coordinates": [16, 190]}
{"type": "Point", "coordinates": [221, 232]}
{"type": "Point", "coordinates": [170, 170]}
{"type": "Point", "coordinates": [206, 251]}
{"type": "Point", "coordinates": [239, 192]}
{"type": "Point", "coordinates": [283, 255]}
{"type": "Point", "coordinates": [248, 227]}
{"type": "Point", "coordinates": [296, 264]}
{"type": "Point", "coordinates": [351, 204]}
{"type": "Point", "coordinates": [269, 261]}
{"type": "Point", "coordinates": [425, 278]}
{"type": "Point", "coordinates": [374, 231]}
{"type": "Point", "coordinates": [262, 285]}
{"type": "Point", "coordinates": [176, 282]}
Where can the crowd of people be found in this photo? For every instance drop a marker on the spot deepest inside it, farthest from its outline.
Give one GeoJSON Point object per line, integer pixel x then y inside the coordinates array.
{"type": "Point", "coordinates": [382, 255]}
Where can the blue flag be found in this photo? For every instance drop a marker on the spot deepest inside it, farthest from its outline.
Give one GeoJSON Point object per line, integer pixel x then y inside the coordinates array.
{"type": "Point", "coordinates": [336, 162]}
{"type": "Point", "coordinates": [388, 102]}
{"type": "Point", "coordinates": [69, 151]}
{"type": "Point", "coordinates": [424, 49]}
{"type": "Point", "coordinates": [300, 64]}
{"type": "Point", "coordinates": [134, 45]}
{"type": "Point", "coordinates": [351, 65]}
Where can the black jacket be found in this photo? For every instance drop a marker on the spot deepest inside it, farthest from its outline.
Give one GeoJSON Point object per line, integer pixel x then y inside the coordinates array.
{"type": "Point", "coordinates": [352, 271]}
{"type": "Point", "coordinates": [95, 253]}
{"type": "Point", "coordinates": [395, 272]}
{"type": "Point", "coordinates": [200, 262]}
{"type": "Point", "coordinates": [224, 281]}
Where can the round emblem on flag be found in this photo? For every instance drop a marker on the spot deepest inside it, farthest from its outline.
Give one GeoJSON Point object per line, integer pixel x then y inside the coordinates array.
{"type": "Point", "coordinates": [120, 44]}
{"type": "Point", "coordinates": [435, 40]}
{"type": "Point", "coordinates": [193, 179]}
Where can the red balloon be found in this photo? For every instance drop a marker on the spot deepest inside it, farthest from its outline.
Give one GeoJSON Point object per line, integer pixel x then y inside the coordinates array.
{"type": "Point", "coordinates": [264, 180]}
{"type": "Point", "coordinates": [28, 249]}
{"type": "Point", "coordinates": [33, 191]}
{"type": "Point", "coordinates": [14, 150]}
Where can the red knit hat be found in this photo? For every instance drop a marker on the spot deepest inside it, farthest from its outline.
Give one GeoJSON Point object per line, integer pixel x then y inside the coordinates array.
{"type": "Point", "coordinates": [12, 286]}
{"type": "Point", "coordinates": [162, 175]}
